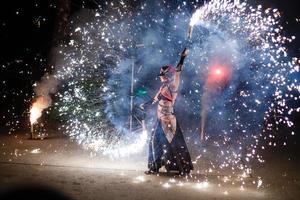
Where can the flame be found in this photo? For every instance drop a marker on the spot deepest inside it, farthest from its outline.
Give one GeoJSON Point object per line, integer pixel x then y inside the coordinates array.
{"type": "Point", "coordinates": [195, 17]}
{"type": "Point", "coordinates": [37, 108]}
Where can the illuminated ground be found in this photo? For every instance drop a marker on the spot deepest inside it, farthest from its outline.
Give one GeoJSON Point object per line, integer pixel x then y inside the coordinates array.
{"type": "Point", "coordinates": [59, 163]}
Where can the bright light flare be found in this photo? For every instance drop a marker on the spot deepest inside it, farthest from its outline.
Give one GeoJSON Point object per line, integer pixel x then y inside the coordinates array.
{"type": "Point", "coordinates": [35, 113]}
{"type": "Point", "coordinates": [197, 15]}
{"type": "Point", "coordinates": [140, 178]}
{"type": "Point", "coordinates": [37, 108]}
{"type": "Point", "coordinates": [202, 185]}
{"type": "Point", "coordinates": [166, 185]}
{"type": "Point", "coordinates": [218, 74]}
{"type": "Point", "coordinates": [36, 151]}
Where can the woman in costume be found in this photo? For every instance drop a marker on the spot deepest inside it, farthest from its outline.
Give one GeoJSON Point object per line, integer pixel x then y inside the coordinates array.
{"type": "Point", "coordinates": [167, 146]}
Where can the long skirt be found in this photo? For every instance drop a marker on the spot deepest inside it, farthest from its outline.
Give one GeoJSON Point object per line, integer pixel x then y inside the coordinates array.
{"type": "Point", "coordinates": [174, 156]}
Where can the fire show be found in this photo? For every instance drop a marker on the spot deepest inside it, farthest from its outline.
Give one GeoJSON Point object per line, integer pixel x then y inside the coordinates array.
{"type": "Point", "coordinates": [150, 99]}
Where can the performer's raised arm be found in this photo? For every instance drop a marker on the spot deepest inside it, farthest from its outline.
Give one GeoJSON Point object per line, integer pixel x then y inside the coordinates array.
{"type": "Point", "coordinates": [179, 67]}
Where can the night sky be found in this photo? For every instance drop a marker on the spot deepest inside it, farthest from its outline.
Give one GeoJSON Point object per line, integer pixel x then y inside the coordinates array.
{"type": "Point", "coordinates": [28, 30]}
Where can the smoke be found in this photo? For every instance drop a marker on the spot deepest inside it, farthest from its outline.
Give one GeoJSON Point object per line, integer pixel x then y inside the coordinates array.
{"type": "Point", "coordinates": [205, 99]}
{"type": "Point", "coordinates": [217, 78]}
{"type": "Point", "coordinates": [44, 89]}
{"type": "Point", "coordinates": [49, 82]}
{"type": "Point", "coordinates": [47, 86]}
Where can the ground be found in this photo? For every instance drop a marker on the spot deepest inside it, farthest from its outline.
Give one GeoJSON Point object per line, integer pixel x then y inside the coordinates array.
{"type": "Point", "coordinates": [59, 163]}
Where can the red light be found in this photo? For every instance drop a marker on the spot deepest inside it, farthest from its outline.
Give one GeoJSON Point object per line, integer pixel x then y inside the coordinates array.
{"type": "Point", "coordinates": [218, 71]}
{"type": "Point", "coordinates": [218, 74]}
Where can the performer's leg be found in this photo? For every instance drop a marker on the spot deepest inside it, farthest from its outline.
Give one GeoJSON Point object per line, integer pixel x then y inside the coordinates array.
{"type": "Point", "coordinates": [155, 151]}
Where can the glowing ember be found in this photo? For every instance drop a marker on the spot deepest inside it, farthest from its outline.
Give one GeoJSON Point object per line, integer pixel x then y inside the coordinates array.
{"type": "Point", "coordinates": [259, 183]}
{"type": "Point", "coordinates": [36, 151]}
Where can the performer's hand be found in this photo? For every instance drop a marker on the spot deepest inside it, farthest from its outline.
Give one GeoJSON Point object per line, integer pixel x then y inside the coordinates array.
{"type": "Point", "coordinates": [142, 106]}
{"type": "Point", "coordinates": [155, 99]}
{"type": "Point", "coordinates": [184, 52]}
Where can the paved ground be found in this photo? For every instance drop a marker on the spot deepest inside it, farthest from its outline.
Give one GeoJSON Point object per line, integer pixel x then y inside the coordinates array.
{"type": "Point", "coordinates": [58, 163]}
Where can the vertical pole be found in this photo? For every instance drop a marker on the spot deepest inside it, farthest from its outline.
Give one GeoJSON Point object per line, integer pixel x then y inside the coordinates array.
{"type": "Point", "coordinates": [131, 97]}
{"type": "Point", "coordinates": [202, 134]}
{"type": "Point", "coordinates": [31, 129]}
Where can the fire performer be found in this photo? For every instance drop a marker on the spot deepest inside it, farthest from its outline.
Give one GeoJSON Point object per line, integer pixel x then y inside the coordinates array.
{"type": "Point", "coordinates": [167, 146]}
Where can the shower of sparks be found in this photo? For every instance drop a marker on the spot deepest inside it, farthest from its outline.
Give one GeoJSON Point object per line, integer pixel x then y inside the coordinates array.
{"type": "Point", "coordinates": [257, 82]}
{"type": "Point", "coordinates": [250, 41]}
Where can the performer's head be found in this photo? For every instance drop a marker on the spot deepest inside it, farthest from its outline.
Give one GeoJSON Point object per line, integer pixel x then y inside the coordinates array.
{"type": "Point", "coordinates": [166, 73]}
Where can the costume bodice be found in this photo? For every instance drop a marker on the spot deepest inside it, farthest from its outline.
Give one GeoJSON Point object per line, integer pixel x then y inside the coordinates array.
{"type": "Point", "coordinates": [167, 93]}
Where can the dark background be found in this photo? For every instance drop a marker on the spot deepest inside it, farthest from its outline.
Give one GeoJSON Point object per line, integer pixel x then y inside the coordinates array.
{"type": "Point", "coordinates": [29, 29]}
